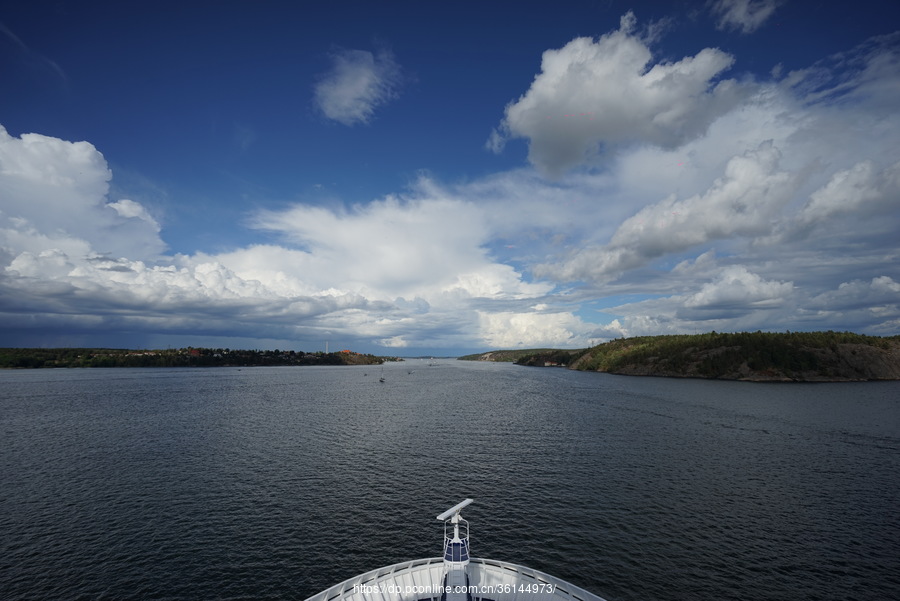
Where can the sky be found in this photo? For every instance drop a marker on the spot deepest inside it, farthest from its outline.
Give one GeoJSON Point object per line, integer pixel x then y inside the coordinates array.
{"type": "Point", "coordinates": [440, 178]}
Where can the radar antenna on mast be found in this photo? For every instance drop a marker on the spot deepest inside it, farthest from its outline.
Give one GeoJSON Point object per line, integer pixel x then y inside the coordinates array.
{"type": "Point", "coordinates": [455, 509]}
{"type": "Point", "coordinates": [456, 542]}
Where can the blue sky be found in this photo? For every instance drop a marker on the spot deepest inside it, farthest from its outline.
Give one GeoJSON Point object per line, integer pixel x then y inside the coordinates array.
{"type": "Point", "coordinates": [440, 178]}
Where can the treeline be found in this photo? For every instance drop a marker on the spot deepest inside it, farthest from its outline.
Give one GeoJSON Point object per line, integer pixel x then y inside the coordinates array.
{"type": "Point", "coordinates": [551, 358]}
{"type": "Point", "coordinates": [730, 355]}
{"type": "Point", "coordinates": [184, 357]}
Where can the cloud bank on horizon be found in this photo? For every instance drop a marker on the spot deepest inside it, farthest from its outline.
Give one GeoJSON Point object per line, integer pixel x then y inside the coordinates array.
{"type": "Point", "coordinates": [661, 196]}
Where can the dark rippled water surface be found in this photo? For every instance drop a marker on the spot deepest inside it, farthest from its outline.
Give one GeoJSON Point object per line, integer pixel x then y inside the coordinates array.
{"type": "Point", "coordinates": [274, 483]}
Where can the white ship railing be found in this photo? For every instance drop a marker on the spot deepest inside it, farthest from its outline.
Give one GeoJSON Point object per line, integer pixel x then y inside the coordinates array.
{"type": "Point", "coordinates": [423, 579]}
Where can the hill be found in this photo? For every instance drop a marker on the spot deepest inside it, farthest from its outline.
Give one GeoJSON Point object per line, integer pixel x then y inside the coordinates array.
{"type": "Point", "coordinates": [754, 356]}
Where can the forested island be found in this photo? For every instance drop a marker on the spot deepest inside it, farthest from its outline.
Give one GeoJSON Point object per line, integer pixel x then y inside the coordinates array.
{"type": "Point", "coordinates": [184, 357]}
{"type": "Point", "coordinates": [753, 356]}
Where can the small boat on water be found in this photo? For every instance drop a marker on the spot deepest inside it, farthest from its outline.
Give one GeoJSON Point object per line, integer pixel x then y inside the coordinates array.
{"type": "Point", "coordinates": [456, 576]}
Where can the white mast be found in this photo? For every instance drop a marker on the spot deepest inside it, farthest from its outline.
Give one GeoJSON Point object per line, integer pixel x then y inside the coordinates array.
{"type": "Point", "coordinates": [456, 553]}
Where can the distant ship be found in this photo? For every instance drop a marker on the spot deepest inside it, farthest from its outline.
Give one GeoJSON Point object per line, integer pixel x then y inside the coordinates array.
{"type": "Point", "coordinates": [455, 576]}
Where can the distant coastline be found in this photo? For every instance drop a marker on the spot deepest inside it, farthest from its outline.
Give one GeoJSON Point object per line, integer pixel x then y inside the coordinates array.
{"type": "Point", "coordinates": [33, 358]}
{"type": "Point", "coordinates": [747, 356]}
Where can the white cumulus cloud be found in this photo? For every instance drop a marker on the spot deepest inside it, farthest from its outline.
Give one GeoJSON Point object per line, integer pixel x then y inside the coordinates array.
{"type": "Point", "coordinates": [400, 271]}
{"type": "Point", "coordinates": [863, 187]}
{"type": "Point", "coordinates": [54, 194]}
{"type": "Point", "coordinates": [743, 202]}
{"type": "Point", "coordinates": [730, 297]}
{"type": "Point", "coordinates": [737, 289]}
{"type": "Point", "coordinates": [395, 246]}
{"type": "Point", "coordinates": [504, 330]}
{"type": "Point", "coordinates": [593, 95]}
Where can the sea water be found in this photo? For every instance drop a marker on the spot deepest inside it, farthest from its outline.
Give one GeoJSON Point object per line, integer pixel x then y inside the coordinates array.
{"type": "Point", "coordinates": [275, 483]}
